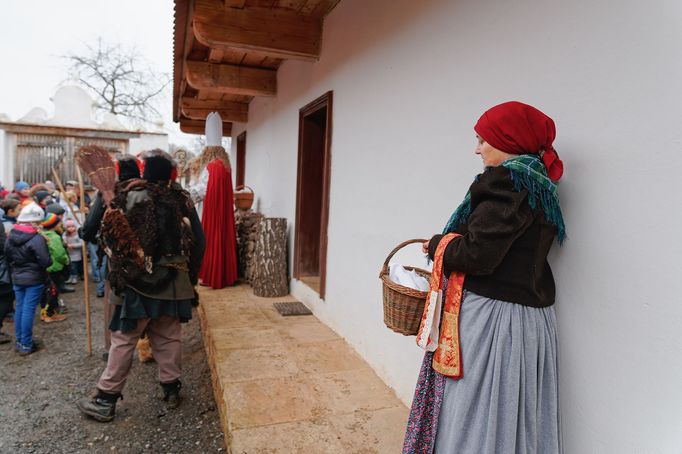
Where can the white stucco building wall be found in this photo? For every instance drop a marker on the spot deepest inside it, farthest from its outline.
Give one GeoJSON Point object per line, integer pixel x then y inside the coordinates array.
{"type": "Point", "coordinates": [410, 80]}
{"type": "Point", "coordinates": [148, 141]}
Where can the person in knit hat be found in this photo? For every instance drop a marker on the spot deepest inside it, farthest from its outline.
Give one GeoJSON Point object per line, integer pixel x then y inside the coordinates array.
{"type": "Point", "coordinates": [43, 198]}
{"type": "Point", "coordinates": [28, 257]}
{"type": "Point", "coordinates": [55, 208]}
{"type": "Point", "coordinates": [60, 260]}
{"type": "Point", "coordinates": [22, 191]}
{"type": "Point", "coordinates": [491, 357]}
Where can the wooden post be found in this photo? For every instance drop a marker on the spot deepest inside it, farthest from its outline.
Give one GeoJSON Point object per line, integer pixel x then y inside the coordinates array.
{"type": "Point", "coordinates": [107, 316]}
{"type": "Point", "coordinates": [270, 274]}
{"type": "Point", "coordinates": [68, 204]}
{"type": "Point", "coordinates": [85, 254]}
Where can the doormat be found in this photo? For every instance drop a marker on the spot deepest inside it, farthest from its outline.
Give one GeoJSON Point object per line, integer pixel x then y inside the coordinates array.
{"type": "Point", "coordinates": [292, 308]}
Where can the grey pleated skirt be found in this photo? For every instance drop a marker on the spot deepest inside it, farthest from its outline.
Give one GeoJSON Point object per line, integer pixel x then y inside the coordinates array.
{"type": "Point", "coordinates": [508, 399]}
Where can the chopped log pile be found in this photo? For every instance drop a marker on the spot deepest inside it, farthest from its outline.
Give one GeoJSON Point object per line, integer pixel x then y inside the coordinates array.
{"type": "Point", "coordinates": [270, 269]}
{"type": "Point", "coordinates": [246, 223]}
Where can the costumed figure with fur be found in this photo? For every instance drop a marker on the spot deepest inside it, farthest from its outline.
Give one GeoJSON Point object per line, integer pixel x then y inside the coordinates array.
{"type": "Point", "coordinates": [153, 239]}
{"type": "Point", "coordinates": [126, 168]}
{"type": "Point", "coordinates": [214, 188]}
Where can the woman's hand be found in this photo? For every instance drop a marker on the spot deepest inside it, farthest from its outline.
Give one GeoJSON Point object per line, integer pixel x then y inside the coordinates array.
{"type": "Point", "coordinates": [425, 247]}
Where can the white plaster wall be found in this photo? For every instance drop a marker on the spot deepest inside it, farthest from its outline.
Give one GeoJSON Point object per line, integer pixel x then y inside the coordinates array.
{"type": "Point", "coordinates": [410, 79]}
{"type": "Point", "coordinates": [73, 106]}
{"type": "Point", "coordinates": [148, 142]}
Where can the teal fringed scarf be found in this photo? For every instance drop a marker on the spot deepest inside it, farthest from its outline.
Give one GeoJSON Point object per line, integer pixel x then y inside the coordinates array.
{"type": "Point", "coordinates": [529, 173]}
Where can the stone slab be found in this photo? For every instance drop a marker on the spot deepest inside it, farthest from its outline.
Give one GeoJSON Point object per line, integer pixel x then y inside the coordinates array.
{"type": "Point", "coordinates": [265, 402]}
{"type": "Point", "coordinates": [373, 432]}
{"type": "Point", "coordinates": [326, 357]}
{"type": "Point", "coordinates": [349, 391]}
{"type": "Point", "coordinates": [254, 364]}
{"type": "Point", "coordinates": [309, 437]}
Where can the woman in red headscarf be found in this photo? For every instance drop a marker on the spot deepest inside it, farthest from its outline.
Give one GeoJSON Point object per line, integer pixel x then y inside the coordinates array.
{"type": "Point", "coordinates": [489, 380]}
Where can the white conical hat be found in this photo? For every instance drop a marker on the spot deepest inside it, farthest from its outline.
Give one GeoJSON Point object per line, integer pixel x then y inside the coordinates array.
{"type": "Point", "coordinates": [214, 130]}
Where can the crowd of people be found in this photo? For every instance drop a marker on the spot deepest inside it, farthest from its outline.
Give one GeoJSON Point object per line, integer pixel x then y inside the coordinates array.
{"type": "Point", "coordinates": [41, 256]}
{"type": "Point", "coordinates": [154, 243]}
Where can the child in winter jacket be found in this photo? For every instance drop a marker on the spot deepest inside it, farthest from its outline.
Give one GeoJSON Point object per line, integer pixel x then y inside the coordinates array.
{"type": "Point", "coordinates": [60, 260]}
{"type": "Point", "coordinates": [28, 257]}
{"type": "Point", "coordinates": [74, 245]}
{"type": "Point", "coordinates": [11, 209]}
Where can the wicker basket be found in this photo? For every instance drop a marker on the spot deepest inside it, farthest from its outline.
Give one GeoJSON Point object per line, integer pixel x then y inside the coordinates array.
{"type": "Point", "coordinates": [243, 200]}
{"type": "Point", "coordinates": [403, 306]}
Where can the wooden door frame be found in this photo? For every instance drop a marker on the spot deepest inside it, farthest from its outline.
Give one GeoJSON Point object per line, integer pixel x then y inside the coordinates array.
{"type": "Point", "coordinates": [321, 102]}
{"type": "Point", "coordinates": [240, 173]}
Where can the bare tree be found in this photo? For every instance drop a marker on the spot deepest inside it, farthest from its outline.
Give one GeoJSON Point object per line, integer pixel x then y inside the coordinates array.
{"type": "Point", "coordinates": [121, 79]}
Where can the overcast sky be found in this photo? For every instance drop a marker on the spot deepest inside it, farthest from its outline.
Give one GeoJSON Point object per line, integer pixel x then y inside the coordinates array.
{"type": "Point", "coordinates": [34, 33]}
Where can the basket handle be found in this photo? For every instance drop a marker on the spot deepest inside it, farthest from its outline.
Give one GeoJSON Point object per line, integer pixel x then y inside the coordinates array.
{"type": "Point", "coordinates": [384, 269]}
{"type": "Point", "coordinates": [243, 186]}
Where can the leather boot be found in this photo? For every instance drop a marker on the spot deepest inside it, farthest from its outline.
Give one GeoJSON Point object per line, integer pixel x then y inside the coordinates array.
{"type": "Point", "coordinates": [102, 407]}
{"type": "Point", "coordinates": [171, 393]}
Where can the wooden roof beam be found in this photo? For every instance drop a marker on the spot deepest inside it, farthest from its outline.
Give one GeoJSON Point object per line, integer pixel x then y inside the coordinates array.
{"type": "Point", "coordinates": [199, 127]}
{"type": "Point", "coordinates": [235, 3]}
{"type": "Point", "coordinates": [232, 79]}
{"type": "Point", "coordinates": [279, 33]}
{"type": "Point", "coordinates": [195, 109]}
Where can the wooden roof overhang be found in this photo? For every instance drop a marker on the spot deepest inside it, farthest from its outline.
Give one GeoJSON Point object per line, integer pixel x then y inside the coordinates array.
{"type": "Point", "coordinates": [226, 52]}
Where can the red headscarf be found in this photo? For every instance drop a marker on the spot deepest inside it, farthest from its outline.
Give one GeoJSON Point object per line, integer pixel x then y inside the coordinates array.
{"type": "Point", "coordinates": [517, 128]}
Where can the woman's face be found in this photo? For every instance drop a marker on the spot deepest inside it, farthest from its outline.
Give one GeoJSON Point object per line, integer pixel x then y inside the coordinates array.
{"type": "Point", "coordinates": [492, 157]}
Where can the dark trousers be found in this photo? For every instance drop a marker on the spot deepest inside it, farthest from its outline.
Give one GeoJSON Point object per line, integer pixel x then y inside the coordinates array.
{"type": "Point", "coordinates": [76, 268]}
{"type": "Point", "coordinates": [6, 301]}
{"type": "Point", "coordinates": [51, 296]}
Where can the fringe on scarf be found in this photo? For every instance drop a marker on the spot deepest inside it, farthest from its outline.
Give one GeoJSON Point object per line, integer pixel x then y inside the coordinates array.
{"type": "Point", "coordinates": [539, 187]}
{"type": "Point", "coordinates": [548, 199]}
{"type": "Point", "coordinates": [460, 215]}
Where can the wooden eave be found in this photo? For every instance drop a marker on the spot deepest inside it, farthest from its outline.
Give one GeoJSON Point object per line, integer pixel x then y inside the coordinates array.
{"type": "Point", "coordinates": [52, 130]}
{"type": "Point", "coordinates": [226, 52]}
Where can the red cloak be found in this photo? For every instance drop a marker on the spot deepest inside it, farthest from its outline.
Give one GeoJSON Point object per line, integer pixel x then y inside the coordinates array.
{"type": "Point", "coordinates": [219, 268]}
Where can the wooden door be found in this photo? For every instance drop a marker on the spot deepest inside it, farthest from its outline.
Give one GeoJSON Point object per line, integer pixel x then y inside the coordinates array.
{"type": "Point", "coordinates": [241, 159]}
{"type": "Point", "coordinates": [312, 194]}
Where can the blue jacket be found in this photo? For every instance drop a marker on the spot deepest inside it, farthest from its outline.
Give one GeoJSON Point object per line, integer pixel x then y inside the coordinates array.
{"type": "Point", "coordinates": [28, 257]}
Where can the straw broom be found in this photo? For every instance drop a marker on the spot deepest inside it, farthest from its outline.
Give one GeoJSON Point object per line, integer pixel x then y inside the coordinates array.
{"type": "Point", "coordinates": [97, 164]}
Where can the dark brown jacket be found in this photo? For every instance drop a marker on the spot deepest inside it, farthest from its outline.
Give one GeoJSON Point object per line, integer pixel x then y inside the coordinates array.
{"type": "Point", "coordinates": [504, 244]}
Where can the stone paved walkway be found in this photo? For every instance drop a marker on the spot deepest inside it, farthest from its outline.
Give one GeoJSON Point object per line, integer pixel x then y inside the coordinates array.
{"type": "Point", "coordinates": [290, 384]}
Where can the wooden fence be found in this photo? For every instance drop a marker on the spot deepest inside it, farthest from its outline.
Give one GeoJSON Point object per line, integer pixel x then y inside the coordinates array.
{"type": "Point", "coordinates": [37, 154]}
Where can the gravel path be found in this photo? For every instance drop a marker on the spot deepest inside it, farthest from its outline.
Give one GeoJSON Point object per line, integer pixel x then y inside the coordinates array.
{"type": "Point", "coordinates": [38, 395]}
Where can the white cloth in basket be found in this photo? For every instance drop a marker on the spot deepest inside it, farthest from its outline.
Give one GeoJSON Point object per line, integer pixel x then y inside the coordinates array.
{"type": "Point", "coordinates": [407, 278]}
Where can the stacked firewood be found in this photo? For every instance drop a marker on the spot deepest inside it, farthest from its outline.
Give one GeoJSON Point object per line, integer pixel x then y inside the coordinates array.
{"type": "Point", "coordinates": [246, 223]}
